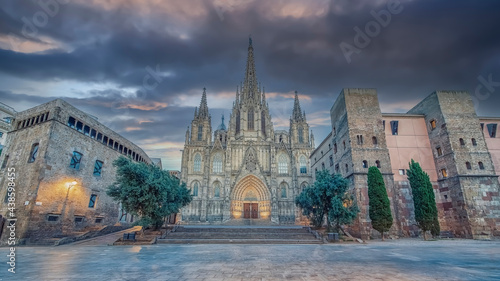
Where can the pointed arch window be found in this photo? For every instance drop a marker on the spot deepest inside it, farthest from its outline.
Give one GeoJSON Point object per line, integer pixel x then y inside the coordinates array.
{"type": "Point", "coordinates": [197, 162]}
{"type": "Point", "coordinates": [301, 135]}
{"type": "Point", "coordinates": [283, 188]}
{"type": "Point", "coordinates": [250, 119]}
{"type": "Point", "coordinates": [217, 189]}
{"type": "Point", "coordinates": [283, 164]}
{"type": "Point", "coordinates": [303, 164]}
{"type": "Point", "coordinates": [237, 122]}
{"type": "Point", "coordinates": [217, 163]}
{"type": "Point", "coordinates": [195, 189]}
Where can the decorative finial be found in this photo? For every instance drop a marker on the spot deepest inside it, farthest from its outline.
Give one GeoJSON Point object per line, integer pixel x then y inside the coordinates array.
{"type": "Point", "coordinates": [250, 40]}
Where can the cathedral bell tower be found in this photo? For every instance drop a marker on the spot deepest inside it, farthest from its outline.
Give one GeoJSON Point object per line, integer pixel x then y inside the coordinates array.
{"type": "Point", "coordinates": [299, 129]}
{"type": "Point", "coordinates": [201, 126]}
{"type": "Point", "coordinates": [250, 119]}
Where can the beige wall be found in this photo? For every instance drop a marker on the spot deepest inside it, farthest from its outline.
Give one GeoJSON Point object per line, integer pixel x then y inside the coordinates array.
{"type": "Point", "coordinates": [412, 142]}
{"type": "Point", "coordinates": [492, 143]}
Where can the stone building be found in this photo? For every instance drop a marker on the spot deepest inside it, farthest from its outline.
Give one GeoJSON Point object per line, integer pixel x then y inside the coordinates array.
{"type": "Point", "coordinates": [246, 170]}
{"type": "Point", "coordinates": [63, 163]}
{"type": "Point", "coordinates": [458, 149]}
{"type": "Point", "coordinates": [6, 116]}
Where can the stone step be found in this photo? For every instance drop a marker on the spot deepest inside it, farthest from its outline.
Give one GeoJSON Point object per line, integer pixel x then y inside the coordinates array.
{"type": "Point", "coordinates": [238, 235]}
{"type": "Point", "coordinates": [239, 241]}
{"type": "Point", "coordinates": [243, 229]}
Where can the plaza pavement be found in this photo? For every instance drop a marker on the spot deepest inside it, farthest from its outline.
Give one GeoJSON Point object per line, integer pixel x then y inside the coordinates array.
{"type": "Point", "coordinates": [404, 259]}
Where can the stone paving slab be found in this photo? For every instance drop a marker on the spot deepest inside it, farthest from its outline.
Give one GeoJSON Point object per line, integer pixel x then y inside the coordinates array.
{"type": "Point", "coordinates": [391, 260]}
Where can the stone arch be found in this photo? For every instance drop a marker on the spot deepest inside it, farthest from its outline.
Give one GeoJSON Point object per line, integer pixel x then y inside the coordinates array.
{"type": "Point", "coordinates": [250, 189]}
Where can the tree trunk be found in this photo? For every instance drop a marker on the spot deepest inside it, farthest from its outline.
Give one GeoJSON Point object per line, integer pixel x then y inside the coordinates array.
{"type": "Point", "coordinates": [425, 237]}
{"type": "Point", "coordinates": [382, 236]}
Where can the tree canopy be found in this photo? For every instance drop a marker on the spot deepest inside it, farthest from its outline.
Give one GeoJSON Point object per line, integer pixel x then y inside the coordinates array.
{"type": "Point", "coordinates": [147, 191]}
{"type": "Point", "coordinates": [379, 204]}
{"type": "Point", "coordinates": [328, 197]}
{"type": "Point", "coordinates": [424, 200]}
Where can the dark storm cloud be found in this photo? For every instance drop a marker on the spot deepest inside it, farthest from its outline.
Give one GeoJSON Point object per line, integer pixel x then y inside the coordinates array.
{"type": "Point", "coordinates": [429, 45]}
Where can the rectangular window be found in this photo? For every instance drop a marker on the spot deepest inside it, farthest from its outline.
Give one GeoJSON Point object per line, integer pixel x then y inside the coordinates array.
{"type": "Point", "coordinates": [78, 219]}
{"type": "Point", "coordinates": [402, 172]}
{"type": "Point", "coordinates": [98, 220]}
{"type": "Point", "coordinates": [360, 139]}
{"type": "Point", "coordinates": [116, 146]}
{"type": "Point", "coordinates": [331, 160]}
{"type": "Point", "coordinates": [75, 160]}
{"type": "Point", "coordinates": [86, 130]}
{"type": "Point", "coordinates": [79, 126]}
{"type": "Point", "coordinates": [5, 160]}
{"type": "Point", "coordinates": [482, 127]}
{"type": "Point", "coordinates": [33, 153]}
{"type": "Point", "coordinates": [337, 169]}
{"type": "Point", "coordinates": [492, 130]}
{"type": "Point", "coordinates": [110, 143]}
{"type": "Point", "coordinates": [1, 134]}
{"type": "Point", "coordinates": [394, 127]}
{"type": "Point", "coordinates": [433, 124]}
{"type": "Point", "coordinates": [97, 168]}
{"type": "Point", "coordinates": [93, 133]}
{"type": "Point", "coordinates": [71, 122]}
{"type": "Point", "coordinates": [105, 140]}
{"type": "Point", "coordinates": [439, 151]}
{"type": "Point", "coordinates": [120, 149]}
{"type": "Point", "coordinates": [99, 137]}
{"type": "Point", "coordinates": [52, 218]}
{"type": "Point", "coordinates": [383, 124]}
{"type": "Point", "coordinates": [444, 173]}
{"type": "Point", "coordinates": [92, 201]}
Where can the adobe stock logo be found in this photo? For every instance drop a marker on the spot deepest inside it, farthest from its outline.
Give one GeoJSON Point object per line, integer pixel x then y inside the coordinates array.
{"type": "Point", "coordinates": [372, 29]}
{"type": "Point", "coordinates": [484, 89]}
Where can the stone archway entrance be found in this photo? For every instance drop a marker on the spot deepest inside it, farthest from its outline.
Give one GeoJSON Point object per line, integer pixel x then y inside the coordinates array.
{"type": "Point", "coordinates": [250, 199]}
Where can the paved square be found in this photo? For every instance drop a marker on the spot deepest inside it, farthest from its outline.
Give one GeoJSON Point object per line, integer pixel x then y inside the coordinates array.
{"type": "Point", "coordinates": [406, 259]}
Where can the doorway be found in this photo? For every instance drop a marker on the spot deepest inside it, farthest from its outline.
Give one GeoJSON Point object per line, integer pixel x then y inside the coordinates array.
{"type": "Point", "coordinates": [251, 210]}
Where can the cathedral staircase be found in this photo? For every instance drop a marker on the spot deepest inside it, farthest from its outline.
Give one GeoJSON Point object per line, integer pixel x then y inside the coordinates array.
{"type": "Point", "coordinates": [239, 234]}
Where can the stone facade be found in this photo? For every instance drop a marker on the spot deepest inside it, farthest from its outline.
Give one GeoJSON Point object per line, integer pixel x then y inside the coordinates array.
{"type": "Point", "coordinates": [6, 117]}
{"type": "Point", "coordinates": [63, 163]}
{"type": "Point", "coordinates": [248, 169]}
{"type": "Point", "coordinates": [443, 134]}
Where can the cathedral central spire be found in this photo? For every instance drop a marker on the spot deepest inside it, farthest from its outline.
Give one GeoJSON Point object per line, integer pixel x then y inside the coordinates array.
{"type": "Point", "coordinates": [250, 88]}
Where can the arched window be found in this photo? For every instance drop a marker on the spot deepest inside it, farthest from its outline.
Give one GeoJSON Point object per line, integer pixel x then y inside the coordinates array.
{"type": "Point", "coordinates": [217, 189]}
{"type": "Point", "coordinates": [197, 163]}
{"type": "Point", "coordinates": [346, 168]}
{"type": "Point", "coordinates": [374, 141]}
{"type": "Point", "coordinates": [195, 189]}
{"type": "Point", "coordinates": [462, 142]}
{"type": "Point", "coordinates": [283, 187]}
{"type": "Point", "coordinates": [365, 164]}
{"type": "Point", "coordinates": [301, 135]}
{"type": "Point", "coordinates": [481, 165]}
{"type": "Point", "coordinates": [217, 164]}
{"type": "Point", "coordinates": [303, 164]}
{"type": "Point", "coordinates": [33, 153]}
{"type": "Point", "coordinates": [474, 142]}
{"type": "Point", "coordinates": [343, 143]}
{"type": "Point", "coordinates": [238, 122]}
{"type": "Point", "coordinates": [335, 148]}
{"type": "Point", "coordinates": [283, 164]}
{"type": "Point", "coordinates": [323, 166]}
{"type": "Point", "coordinates": [377, 163]}
{"type": "Point", "coordinates": [303, 186]}
{"type": "Point", "coordinates": [467, 164]}
{"type": "Point", "coordinates": [250, 119]}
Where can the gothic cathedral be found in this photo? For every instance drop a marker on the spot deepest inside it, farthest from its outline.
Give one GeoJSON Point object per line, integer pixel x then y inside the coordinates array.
{"type": "Point", "coordinates": [247, 170]}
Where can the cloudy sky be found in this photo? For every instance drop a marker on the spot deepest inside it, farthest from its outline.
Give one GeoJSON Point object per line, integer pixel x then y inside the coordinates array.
{"type": "Point", "coordinates": [140, 66]}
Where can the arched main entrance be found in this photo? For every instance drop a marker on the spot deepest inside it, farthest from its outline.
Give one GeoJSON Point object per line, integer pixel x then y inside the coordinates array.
{"type": "Point", "coordinates": [250, 199]}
